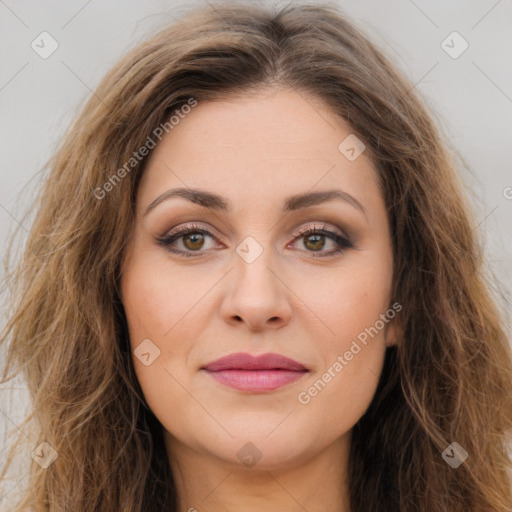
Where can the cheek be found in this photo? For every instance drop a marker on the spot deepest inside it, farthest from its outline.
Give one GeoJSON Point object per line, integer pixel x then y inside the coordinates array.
{"type": "Point", "coordinates": [169, 308]}
{"type": "Point", "coordinates": [340, 391]}
{"type": "Point", "coordinates": [158, 306]}
{"type": "Point", "coordinates": [353, 347]}
{"type": "Point", "coordinates": [349, 299]}
{"type": "Point", "coordinates": [158, 300]}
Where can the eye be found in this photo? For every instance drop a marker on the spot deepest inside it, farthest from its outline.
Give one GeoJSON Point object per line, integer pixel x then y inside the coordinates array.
{"type": "Point", "coordinates": [192, 238]}
{"type": "Point", "coordinates": [314, 239]}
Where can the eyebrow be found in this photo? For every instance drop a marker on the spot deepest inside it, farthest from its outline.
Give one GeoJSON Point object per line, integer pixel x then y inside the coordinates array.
{"type": "Point", "coordinates": [215, 202]}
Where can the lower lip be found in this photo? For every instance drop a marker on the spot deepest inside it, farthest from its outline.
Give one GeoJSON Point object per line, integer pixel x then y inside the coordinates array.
{"type": "Point", "coordinates": [256, 380]}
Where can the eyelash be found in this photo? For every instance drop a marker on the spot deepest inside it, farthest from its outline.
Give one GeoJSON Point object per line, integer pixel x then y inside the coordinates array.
{"type": "Point", "coordinates": [343, 243]}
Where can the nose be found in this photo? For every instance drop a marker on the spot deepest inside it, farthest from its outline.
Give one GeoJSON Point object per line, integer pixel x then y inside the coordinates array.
{"type": "Point", "coordinates": [257, 296]}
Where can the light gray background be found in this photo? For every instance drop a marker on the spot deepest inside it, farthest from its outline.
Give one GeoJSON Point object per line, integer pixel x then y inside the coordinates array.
{"type": "Point", "coordinates": [470, 95]}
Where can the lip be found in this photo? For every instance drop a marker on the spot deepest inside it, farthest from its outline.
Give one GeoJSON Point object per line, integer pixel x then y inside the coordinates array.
{"type": "Point", "coordinates": [244, 361]}
{"type": "Point", "coordinates": [265, 372]}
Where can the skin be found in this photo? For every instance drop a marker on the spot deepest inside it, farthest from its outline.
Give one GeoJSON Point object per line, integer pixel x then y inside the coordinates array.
{"type": "Point", "coordinates": [255, 151]}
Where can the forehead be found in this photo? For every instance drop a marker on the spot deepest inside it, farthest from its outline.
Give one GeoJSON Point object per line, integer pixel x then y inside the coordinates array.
{"type": "Point", "coordinates": [270, 145]}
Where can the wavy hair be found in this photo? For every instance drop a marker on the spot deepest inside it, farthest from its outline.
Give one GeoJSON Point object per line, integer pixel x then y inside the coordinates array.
{"type": "Point", "coordinates": [448, 380]}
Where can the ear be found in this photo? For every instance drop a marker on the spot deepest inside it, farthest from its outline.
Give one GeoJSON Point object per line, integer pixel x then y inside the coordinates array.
{"type": "Point", "coordinates": [394, 332]}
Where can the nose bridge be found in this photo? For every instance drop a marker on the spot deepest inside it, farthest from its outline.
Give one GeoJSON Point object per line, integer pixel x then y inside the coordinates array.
{"type": "Point", "coordinates": [253, 262]}
{"type": "Point", "coordinates": [256, 295]}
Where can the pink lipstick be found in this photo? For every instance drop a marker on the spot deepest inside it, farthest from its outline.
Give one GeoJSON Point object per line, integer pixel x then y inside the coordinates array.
{"type": "Point", "coordinates": [245, 372]}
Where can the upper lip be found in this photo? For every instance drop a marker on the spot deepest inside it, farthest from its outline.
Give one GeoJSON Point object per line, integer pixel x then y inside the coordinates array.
{"type": "Point", "coordinates": [244, 361]}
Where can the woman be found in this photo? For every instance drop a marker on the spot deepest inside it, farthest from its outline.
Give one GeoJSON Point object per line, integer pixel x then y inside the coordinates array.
{"type": "Point", "coordinates": [189, 340]}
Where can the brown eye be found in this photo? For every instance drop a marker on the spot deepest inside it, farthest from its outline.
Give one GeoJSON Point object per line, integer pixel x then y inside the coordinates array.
{"type": "Point", "coordinates": [193, 241]}
{"type": "Point", "coordinates": [315, 242]}
{"type": "Point", "coordinates": [190, 241]}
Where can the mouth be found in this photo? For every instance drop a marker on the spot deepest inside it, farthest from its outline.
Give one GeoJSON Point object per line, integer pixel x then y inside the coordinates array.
{"type": "Point", "coordinates": [262, 373]}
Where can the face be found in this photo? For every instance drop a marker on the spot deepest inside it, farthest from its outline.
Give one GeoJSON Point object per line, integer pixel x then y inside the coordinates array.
{"type": "Point", "coordinates": [250, 259]}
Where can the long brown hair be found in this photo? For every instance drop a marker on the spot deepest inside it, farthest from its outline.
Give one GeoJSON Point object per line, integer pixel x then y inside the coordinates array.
{"type": "Point", "coordinates": [450, 378]}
